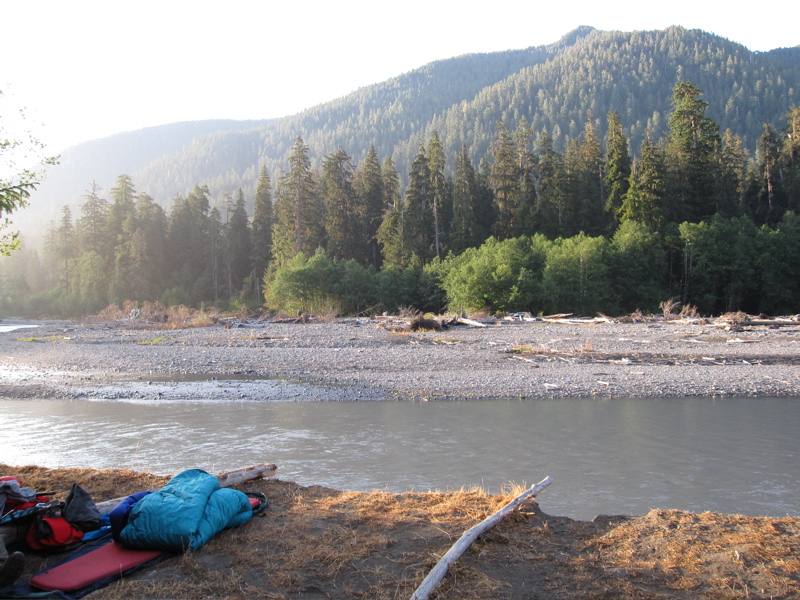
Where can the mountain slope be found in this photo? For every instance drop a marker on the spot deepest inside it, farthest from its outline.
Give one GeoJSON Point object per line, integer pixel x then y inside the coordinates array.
{"type": "Point", "coordinates": [555, 87]}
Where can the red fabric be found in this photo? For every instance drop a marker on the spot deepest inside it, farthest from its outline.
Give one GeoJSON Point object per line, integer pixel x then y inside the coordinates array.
{"type": "Point", "coordinates": [51, 533]}
{"type": "Point", "coordinates": [12, 504]}
{"type": "Point", "coordinates": [111, 559]}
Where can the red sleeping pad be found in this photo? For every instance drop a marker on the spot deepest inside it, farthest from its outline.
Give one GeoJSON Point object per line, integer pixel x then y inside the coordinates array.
{"type": "Point", "coordinates": [110, 559]}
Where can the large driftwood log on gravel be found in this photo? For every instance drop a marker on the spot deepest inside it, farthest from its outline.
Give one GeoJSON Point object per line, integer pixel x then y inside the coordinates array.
{"type": "Point", "coordinates": [471, 322]}
{"type": "Point", "coordinates": [16, 531]}
{"type": "Point", "coordinates": [438, 572]}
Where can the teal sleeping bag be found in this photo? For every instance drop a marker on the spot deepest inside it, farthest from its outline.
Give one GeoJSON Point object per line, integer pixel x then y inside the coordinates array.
{"type": "Point", "coordinates": [185, 514]}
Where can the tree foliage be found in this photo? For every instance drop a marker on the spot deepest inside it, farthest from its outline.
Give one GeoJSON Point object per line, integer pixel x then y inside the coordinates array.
{"type": "Point", "coordinates": [588, 229]}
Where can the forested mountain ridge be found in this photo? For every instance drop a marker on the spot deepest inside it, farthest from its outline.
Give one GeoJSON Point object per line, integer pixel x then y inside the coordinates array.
{"type": "Point", "coordinates": [555, 87]}
{"type": "Point", "coordinates": [594, 177]}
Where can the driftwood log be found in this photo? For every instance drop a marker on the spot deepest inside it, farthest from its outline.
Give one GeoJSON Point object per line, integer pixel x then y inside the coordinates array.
{"type": "Point", "coordinates": [470, 322]}
{"type": "Point", "coordinates": [227, 479]}
{"type": "Point", "coordinates": [15, 532]}
{"type": "Point", "coordinates": [434, 578]}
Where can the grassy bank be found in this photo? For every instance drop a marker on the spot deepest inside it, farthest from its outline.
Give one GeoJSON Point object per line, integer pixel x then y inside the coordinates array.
{"type": "Point", "coordinates": [315, 543]}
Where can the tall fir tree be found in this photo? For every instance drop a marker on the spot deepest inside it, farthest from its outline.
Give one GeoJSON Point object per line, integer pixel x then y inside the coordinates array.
{"type": "Point", "coordinates": [93, 225]}
{"type": "Point", "coordinates": [145, 278]}
{"type": "Point", "coordinates": [790, 159]}
{"type": "Point", "coordinates": [123, 205]}
{"type": "Point", "coordinates": [524, 201]}
{"type": "Point", "coordinates": [261, 229]}
{"type": "Point", "coordinates": [391, 234]}
{"type": "Point", "coordinates": [298, 226]}
{"type": "Point", "coordinates": [438, 191]}
{"type": "Point", "coordinates": [192, 248]}
{"type": "Point", "coordinates": [644, 201]}
{"type": "Point", "coordinates": [692, 147]}
{"type": "Point", "coordinates": [504, 180]}
{"type": "Point", "coordinates": [61, 247]}
{"type": "Point", "coordinates": [617, 170]}
{"type": "Point", "coordinates": [418, 212]}
{"type": "Point", "coordinates": [732, 173]}
{"type": "Point", "coordinates": [370, 190]}
{"type": "Point", "coordinates": [464, 230]}
{"type": "Point", "coordinates": [237, 242]}
{"type": "Point", "coordinates": [584, 189]}
{"type": "Point", "coordinates": [345, 228]}
{"type": "Point", "coordinates": [550, 212]}
{"type": "Point", "coordinates": [771, 199]}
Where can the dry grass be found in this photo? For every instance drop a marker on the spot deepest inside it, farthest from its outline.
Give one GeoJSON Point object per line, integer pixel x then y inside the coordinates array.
{"type": "Point", "coordinates": [314, 543]}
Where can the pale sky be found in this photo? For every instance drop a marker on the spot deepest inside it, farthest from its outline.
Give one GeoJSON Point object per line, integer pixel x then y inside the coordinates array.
{"type": "Point", "coordinates": [88, 69]}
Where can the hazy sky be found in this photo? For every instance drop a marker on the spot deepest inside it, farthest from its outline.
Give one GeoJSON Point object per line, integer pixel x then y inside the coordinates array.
{"type": "Point", "coordinates": [88, 69]}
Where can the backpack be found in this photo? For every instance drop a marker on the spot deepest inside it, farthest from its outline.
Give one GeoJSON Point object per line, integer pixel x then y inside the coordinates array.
{"type": "Point", "coordinates": [51, 531]}
{"type": "Point", "coordinates": [64, 523]}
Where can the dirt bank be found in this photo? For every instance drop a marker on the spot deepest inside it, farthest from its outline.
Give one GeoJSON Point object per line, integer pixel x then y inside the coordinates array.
{"type": "Point", "coordinates": [361, 359]}
{"type": "Point", "coordinates": [314, 543]}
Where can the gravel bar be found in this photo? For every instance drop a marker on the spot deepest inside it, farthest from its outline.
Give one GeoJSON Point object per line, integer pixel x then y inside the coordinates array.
{"type": "Point", "coordinates": [362, 359]}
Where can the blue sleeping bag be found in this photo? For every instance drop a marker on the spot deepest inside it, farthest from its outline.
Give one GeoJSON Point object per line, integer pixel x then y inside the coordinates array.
{"type": "Point", "coordinates": [185, 514]}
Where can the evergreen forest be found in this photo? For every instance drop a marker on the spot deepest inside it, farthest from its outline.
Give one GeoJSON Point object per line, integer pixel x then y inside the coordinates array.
{"type": "Point", "coordinates": [618, 216]}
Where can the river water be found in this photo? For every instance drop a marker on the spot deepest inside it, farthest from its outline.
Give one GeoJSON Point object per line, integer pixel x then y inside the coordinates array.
{"type": "Point", "coordinates": [619, 456]}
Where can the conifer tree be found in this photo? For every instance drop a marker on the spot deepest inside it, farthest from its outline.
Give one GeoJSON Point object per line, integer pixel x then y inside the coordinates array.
{"type": "Point", "coordinates": [439, 200]}
{"type": "Point", "coordinates": [617, 170]}
{"type": "Point", "coordinates": [370, 190]}
{"type": "Point", "coordinates": [145, 277]}
{"type": "Point", "coordinates": [485, 207]}
{"type": "Point", "coordinates": [645, 198]}
{"type": "Point", "coordinates": [692, 146]}
{"type": "Point", "coordinates": [550, 213]}
{"type": "Point", "coordinates": [418, 212]}
{"type": "Point", "coordinates": [123, 200]}
{"type": "Point", "coordinates": [732, 173]}
{"type": "Point", "coordinates": [60, 246]}
{"type": "Point", "coordinates": [524, 201]}
{"type": "Point", "coordinates": [464, 227]}
{"type": "Point", "coordinates": [772, 200]}
{"type": "Point", "coordinates": [583, 186]}
{"type": "Point", "coordinates": [504, 180]}
{"type": "Point", "coordinates": [93, 224]}
{"type": "Point", "coordinates": [790, 159]}
{"type": "Point", "coordinates": [261, 230]}
{"type": "Point", "coordinates": [237, 241]}
{"type": "Point", "coordinates": [391, 234]}
{"type": "Point", "coordinates": [298, 226]}
{"type": "Point", "coordinates": [345, 228]}
{"type": "Point", "coordinates": [218, 256]}
{"type": "Point", "coordinates": [191, 247]}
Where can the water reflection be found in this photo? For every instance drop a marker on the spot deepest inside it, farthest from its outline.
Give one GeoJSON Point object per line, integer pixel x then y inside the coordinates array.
{"type": "Point", "coordinates": [617, 456]}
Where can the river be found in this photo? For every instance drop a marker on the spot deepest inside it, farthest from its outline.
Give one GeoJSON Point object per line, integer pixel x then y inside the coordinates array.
{"type": "Point", "coordinates": [619, 456]}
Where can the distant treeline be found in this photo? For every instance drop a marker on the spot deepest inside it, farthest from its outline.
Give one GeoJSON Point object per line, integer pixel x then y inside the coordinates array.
{"type": "Point", "coordinates": [693, 216]}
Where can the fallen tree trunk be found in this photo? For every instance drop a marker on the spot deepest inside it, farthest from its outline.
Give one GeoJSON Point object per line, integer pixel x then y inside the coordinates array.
{"type": "Point", "coordinates": [471, 322]}
{"type": "Point", "coordinates": [566, 321]}
{"type": "Point", "coordinates": [227, 479]}
{"type": "Point", "coordinates": [431, 582]}
{"type": "Point", "coordinates": [16, 531]}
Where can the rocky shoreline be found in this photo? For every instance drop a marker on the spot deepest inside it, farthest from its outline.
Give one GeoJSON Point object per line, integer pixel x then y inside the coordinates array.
{"type": "Point", "coordinates": [362, 359]}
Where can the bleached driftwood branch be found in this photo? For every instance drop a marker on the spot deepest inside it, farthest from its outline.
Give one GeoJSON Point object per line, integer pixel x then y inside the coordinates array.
{"type": "Point", "coordinates": [430, 583]}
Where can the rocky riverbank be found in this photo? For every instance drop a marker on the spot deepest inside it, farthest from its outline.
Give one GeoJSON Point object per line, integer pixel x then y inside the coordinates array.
{"type": "Point", "coordinates": [362, 359]}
